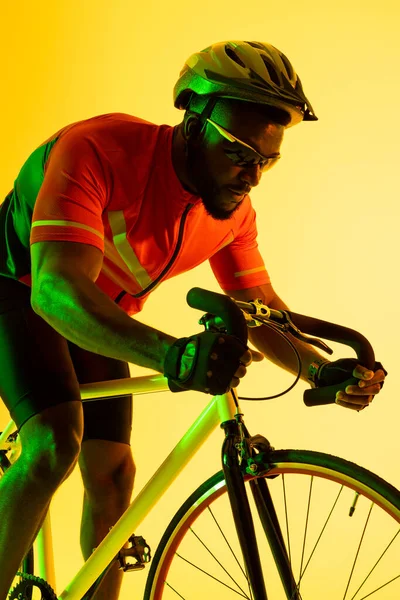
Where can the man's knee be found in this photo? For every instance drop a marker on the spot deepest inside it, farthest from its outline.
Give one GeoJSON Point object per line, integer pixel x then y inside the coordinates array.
{"type": "Point", "coordinates": [51, 442]}
{"type": "Point", "coordinates": [108, 471]}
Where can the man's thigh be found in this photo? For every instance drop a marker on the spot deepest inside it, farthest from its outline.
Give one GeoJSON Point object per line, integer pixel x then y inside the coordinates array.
{"type": "Point", "coordinates": [41, 369]}
{"type": "Point", "coordinates": [36, 368]}
{"type": "Point", "coordinates": [104, 419]}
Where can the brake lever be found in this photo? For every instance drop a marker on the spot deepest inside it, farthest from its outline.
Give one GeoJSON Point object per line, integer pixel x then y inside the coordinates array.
{"type": "Point", "coordinates": [313, 341]}
{"type": "Point", "coordinates": [288, 326]}
{"type": "Point", "coordinates": [295, 331]}
{"type": "Point", "coordinates": [261, 313]}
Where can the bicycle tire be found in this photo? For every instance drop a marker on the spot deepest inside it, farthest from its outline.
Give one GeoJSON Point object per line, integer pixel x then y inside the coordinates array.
{"type": "Point", "coordinates": [329, 470]}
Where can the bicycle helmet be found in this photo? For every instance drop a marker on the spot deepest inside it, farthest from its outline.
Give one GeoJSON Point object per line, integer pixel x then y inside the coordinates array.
{"type": "Point", "coordinates": [252, 71]}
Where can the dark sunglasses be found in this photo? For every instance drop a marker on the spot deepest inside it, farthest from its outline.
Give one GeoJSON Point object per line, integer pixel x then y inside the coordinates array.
{"type": "Point", "coordinates": [243, 155]}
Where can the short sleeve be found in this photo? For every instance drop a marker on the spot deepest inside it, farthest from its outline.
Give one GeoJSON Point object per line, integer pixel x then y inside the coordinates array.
{"type": "Point", "coordinates": [240, 265]}
{"type": "Point", "coordinates": [73, 194]}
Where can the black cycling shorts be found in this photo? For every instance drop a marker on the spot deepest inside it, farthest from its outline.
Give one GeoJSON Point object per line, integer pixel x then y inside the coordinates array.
{"type": "Point", "coordinates": [39, 368]}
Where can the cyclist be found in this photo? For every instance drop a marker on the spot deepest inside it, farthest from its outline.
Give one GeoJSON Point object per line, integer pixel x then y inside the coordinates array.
{"type": "Point", "coordinates": [99, 215]}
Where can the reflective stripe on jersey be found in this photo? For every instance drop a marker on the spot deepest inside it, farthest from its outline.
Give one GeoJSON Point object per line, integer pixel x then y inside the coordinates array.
{"type": "Point", "coordinates": [125, 250]}
{"type": "Point", "coordinates": [249, 271]}
{"type": "Point", "coordinates": [67, 224]}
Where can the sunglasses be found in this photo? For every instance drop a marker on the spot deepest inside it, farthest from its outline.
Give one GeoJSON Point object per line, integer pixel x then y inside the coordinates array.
{"type": "Point", "coordinates": [243, 155]}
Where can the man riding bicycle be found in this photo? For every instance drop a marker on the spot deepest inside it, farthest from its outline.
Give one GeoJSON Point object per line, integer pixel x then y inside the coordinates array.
{"type": "Point", "coordinates": [100, 214]}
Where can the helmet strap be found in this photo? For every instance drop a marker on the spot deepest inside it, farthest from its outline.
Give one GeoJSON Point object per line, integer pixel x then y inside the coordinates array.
{"type": "Point", "coordinates": [197, 129]}
{"type": "Point", "coordinates": [207, 111]}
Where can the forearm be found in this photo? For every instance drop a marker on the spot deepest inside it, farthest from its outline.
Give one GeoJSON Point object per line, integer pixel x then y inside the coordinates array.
{"type": "Point", "coordinates": [86, 316]}
{"type": "Point", "coordinates": [276, 349]}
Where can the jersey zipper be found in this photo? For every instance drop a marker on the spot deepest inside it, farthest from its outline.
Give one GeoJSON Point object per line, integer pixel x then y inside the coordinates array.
{"type": "Point", "coordinates": [170, 263]}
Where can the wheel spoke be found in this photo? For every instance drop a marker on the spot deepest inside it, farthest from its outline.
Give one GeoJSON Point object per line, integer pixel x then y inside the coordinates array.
{"type": "Point", "coordinates": [243, 595]}
{"type": "Point", "coordinates": [286, 518]}
{"type": "Point", "coordinates": [296, 591]}
{"type": "Point", "coordinates": [380, 587]}
{"type": "Point", "coordinates": [376, 564]}
{"type": "Point", "coordinates": [174, 590]}
{"type": "Point", "coordinates": [232, 552]}
{"type": "Point", "coordinates": [296, 594]}
{"type": "Point", "coordinates": [358, 550]}
{"type": "Point", "coordinates": [320, 535]}
{"type": "Point", "coordinates": [228, 544]}
{"type": "Point", "coordinates": [216, 560]}
{"type": "Point", "coordinates": [305, 529]}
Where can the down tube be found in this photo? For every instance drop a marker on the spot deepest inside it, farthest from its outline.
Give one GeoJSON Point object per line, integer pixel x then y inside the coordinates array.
{"type": "Point", "coordinates": [219, 409]}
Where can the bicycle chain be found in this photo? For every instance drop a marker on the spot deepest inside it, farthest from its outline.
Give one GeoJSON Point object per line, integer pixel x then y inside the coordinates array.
{"type": "Point", "coordinates": [26, 584]}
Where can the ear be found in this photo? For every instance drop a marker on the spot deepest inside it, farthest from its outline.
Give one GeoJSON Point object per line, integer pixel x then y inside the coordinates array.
{"type": "Point", "coordinates": [192, 127]}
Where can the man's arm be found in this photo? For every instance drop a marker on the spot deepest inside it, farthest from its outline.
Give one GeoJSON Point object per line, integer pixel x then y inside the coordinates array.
{"type": "Point", "coordinates": [65, 295]}
{"type": "Point", "coordinates": [270, 343]}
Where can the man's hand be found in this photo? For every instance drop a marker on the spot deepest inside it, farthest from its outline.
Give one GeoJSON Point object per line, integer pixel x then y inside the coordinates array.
{"type": "Point", "coordinates": [207, 362]}
{"type": "Point", "coordinates": [357, 397]}
{"type": "Point", "coordinates": [245, 362]}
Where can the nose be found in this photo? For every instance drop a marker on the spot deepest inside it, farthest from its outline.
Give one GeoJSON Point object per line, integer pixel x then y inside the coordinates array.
{"type": "Point", "coordinates": [251, 175]}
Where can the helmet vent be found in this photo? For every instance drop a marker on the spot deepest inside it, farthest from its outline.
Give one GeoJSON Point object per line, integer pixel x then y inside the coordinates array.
{"type": "Point", "coordinates": [232, 54]}
{"type": "Point", "coordinates": [256, 45]}
{"type": "Point", "coordinates": [288, 66]}
{"type": "Point", "coordinates": [271, 71]}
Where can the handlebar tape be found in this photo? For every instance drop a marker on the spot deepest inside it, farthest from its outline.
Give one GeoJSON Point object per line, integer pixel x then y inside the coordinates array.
{"type": "Point", "coordinates": [335, 333]}
{"type": "Point", "coordinates": [221, 306]}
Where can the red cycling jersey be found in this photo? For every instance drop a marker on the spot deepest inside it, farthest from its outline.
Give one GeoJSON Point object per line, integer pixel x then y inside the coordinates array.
{"type": "Point", "coordinates": [109, 181]}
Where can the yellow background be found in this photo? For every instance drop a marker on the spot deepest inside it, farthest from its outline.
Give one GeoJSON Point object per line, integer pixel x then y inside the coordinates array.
{"type": "Point", "coordinates": [327, 214]}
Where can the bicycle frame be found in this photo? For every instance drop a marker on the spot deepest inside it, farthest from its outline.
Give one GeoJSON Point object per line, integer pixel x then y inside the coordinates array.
{"type": "Point", "coordinates": [220, 409]}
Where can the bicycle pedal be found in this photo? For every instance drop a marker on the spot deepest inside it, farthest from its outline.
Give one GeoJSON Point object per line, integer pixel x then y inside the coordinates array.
{"type": "Point", "coordinates": [139, 550]}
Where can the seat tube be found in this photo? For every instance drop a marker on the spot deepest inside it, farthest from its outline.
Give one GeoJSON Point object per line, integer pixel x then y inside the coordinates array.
{"type": "Point", "coordinates": [241, 510]}
{"type": "Point", "coordinates": [45, 567]}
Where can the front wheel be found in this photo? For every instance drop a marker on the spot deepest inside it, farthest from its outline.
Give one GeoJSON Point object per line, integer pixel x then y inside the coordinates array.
{"type": "Point", "coordinates": [341, 525]}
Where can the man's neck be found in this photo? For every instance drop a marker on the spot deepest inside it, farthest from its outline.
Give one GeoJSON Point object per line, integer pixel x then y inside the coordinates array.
{"type": "Point", "coordinates": [179, 158]}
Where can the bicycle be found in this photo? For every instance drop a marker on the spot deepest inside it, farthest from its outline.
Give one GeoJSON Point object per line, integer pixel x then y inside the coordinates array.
{"type": "Point", "coordinates": [267, 548]}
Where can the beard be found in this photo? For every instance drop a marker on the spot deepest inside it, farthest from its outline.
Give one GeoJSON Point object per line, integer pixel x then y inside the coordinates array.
{"type": "Point", "coordinates": [208, 190]}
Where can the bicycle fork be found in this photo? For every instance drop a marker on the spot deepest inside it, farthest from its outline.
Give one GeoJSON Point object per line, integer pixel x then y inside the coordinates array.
{"type": "Point", "coordinates": [241, 510]}
{"type": "Point", "coordinates": [270, 523]}
{"type": "Point", "coordinates": [244, 522]}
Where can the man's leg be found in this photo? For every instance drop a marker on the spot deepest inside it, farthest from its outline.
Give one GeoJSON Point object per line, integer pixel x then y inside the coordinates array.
{"type": "Point", "coordinates": [108, 473]}
{"type": "Point", "coordinates": [39, 387]}
{"type": "Point", "coordinates": [50, 447]}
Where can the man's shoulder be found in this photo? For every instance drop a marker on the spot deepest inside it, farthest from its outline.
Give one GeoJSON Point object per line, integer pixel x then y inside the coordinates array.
{"type": "Point", "coordinates": [115, 119]}
{"type": "Point", "coordinates": [111, 124]}
{"type": "Point", "coordinates": [111, 135]}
